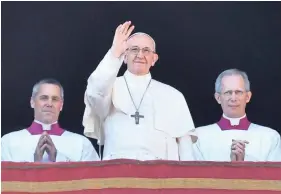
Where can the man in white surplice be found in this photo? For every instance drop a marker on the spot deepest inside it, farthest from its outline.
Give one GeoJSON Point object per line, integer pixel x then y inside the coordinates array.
{"type": "Point", "coordinates": [234, 137]}
{"type": "Point", "coordinates": [135, 116]}
{"type": "Point", "coordinates": [44, 140]}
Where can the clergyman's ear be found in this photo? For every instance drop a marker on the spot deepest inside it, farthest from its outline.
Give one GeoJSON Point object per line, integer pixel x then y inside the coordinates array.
{"type": "Point", "coordinates": [249, 96]}
{"type": "Point", "coordinates": [155, 59]}
{"type": "Point", "coordinates": [217, 97]}
{"type": "Point", "coordinates": [61, 105]}
{"type": "Point", "coordinates": [125, 58]}
{"type": "Point", "coordinates": [32, 102]}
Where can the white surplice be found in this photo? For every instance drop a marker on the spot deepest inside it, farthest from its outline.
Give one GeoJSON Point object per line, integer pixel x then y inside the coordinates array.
{"type": "Point", "coordinates": [108, 119]}
{"type": "Point", "coordinates": [19, 146]}
{"type": "Point", "coordinates": [214, 144]}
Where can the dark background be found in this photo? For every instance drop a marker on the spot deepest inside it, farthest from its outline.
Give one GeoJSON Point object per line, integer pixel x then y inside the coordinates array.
{"type": "Point", "coordinates": [195, 41]}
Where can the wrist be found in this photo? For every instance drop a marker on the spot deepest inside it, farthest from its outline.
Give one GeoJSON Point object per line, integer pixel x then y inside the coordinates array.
{"type": "Point", "coordinates": [233, 157]}
{"type": "Point", "coordinates": [53, 158]}
{"type": "Point", "coordinates": [37, 159]}
{"type": "Point", "coordinates": [115, 53]}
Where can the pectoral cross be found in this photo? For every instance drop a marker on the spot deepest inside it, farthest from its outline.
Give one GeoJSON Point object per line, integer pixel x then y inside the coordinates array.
{"type": "Point", "coordinates": [137, 117]}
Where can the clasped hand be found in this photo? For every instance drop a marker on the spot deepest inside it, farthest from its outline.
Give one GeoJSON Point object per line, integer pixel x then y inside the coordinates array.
{"type": "Point", "coordinates": [45, 144]}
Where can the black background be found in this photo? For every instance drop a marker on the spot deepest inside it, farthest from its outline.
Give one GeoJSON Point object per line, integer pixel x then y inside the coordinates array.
{"type": "Point", "coordinates": [195, 42]}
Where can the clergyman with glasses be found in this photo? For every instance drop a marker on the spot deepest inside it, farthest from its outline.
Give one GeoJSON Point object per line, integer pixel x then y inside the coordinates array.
{"type": "Point", "coordinates": [234, 137]}
{"type": "Point", "coordinates": [135, 116]}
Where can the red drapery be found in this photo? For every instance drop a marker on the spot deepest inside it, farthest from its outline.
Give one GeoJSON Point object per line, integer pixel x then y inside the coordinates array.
{"type": "Point", "coordinates": [135, 177]}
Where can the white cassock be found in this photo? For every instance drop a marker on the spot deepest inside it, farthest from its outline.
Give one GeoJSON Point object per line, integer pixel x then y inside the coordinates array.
{"type": "Point", "coordinates": [19, 146]}
{"type": "Point", "coordinates": [214, 144]}
{"type": "Point", "coordinates": [108, 119]}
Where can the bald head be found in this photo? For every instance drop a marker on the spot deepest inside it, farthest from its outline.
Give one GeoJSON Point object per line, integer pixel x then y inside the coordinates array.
{"type": "Point", "coordinates": [147, 38]}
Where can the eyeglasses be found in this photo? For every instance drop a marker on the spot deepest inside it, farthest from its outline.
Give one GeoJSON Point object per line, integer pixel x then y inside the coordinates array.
{"type": "Point", "coordinates": [238, 93]}
{"type": "Point", "coordinates": [145, 51]}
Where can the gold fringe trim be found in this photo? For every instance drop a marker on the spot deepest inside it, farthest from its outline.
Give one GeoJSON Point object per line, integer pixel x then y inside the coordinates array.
{"type": "Point", "coordinates": [141, 183]}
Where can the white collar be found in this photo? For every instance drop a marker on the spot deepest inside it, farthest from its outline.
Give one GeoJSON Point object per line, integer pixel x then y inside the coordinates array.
{"type": "Point", "coordinates": [138, 79]}
{"type": "Point", "coordinates": [234, 121]}
{"type": "Point", "coordinates": [45, 127]}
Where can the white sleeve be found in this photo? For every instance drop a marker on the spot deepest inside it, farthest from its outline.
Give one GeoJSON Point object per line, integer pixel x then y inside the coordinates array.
{"type": "Point", "coordinates": [275, 152]}
{"type": "Point", "coordinates": [186, 127]}
{"type": "Point", "coordinates": [183, 128]}
{"type": "Point", "coordinates": [197, 150]}
{"type": "Point", "coordinates": [100, 84]}
{"type": "Point", "coordinates": [89, 153]}
{"type": "Point", "coordinates": [61, 158]}
{"type": "Point", "coordinates": [5, 151]}
{"type": "Point", "coordinates": [198, 155]}
{"type": "Point", "coordinates": [185, 121]}
{"type": "Point", "coordinates": [98, 95]}
{"type": "Point", "coordinates": [185, 148]}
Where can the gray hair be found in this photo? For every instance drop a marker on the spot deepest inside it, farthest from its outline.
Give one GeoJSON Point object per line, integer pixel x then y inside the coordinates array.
{"type": "Point", "coordinates": [230, 72]}
{"type": "Point", "coordinates": [142, 33]}
{"type": "Point", "coordinates": [36, 87]}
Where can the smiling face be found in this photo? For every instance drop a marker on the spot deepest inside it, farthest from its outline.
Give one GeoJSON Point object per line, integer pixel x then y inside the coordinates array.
{"type": "Point", "coordinates": [233, 96]}
{"type": "Point", "coordinates": [47, 103]}
{"type": "Point", "coordinates": [140, 55]}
